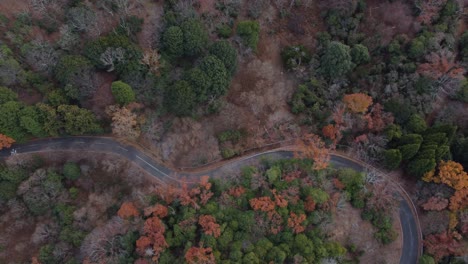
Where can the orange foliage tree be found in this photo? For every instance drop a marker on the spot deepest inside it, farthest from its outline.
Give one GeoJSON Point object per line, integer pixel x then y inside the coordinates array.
{"type": "Point", "coordinates": [201, 193]}
{"type": "Point", "coordinates": [309, 204]}
{"type": "Point", "coordinates": [200, 255]}
{"type": "Point", "coordinates": [5, 141]}
{"type": "Point", "coordinates": [158, 210]}
{"type": "Point", "coordinates": [358, 102]}
{"type": "Point", "coordinates": [377, 119]}
{"type": "Point", "coordinates": [153, 231]}
{"type": "Point", "coordinates": [311, 146]}
{"type": "Point", "coordinates": [279, 199]}
{"type": "Point", "coordinates": [295, 222]}
{"type": "Point", "coordinates": [441, 64]}
{"type": "Point", "coordinates": [209, 225]}
{"type": "Point", "coordinates": [459, 200]}
{"type": "Point", "coordinates": [128, 210]}
{"type": "Point", "coordinates": [330, 131]}
{"type": "Point", "coordinates": [236, 191]}
{"type": "Point", "coordinates": [263, 204]}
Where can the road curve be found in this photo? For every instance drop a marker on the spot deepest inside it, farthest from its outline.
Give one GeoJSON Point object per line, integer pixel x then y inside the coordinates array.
{"type": "Point", "coordinates": [410, 250]}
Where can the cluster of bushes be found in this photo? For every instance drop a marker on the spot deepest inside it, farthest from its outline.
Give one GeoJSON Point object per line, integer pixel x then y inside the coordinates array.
{"type": "Point", "coordinates": [185, 42]}
{"type": "Point", "coordinates": [420, 148]}
{"type": "Point", "coordinates": [228, 140]}
{"type": "Point", "coordinates": [19, 121]}
{"type": "Point", "coordinates": [241, 237]}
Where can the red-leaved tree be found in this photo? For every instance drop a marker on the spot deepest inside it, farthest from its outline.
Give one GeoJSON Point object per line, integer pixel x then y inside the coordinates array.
{"type": "Point", "coordinates": [209, 225]}
{"type": "Point", "coordinates": [200, 255]}
{"type": "Point", "coordinates": [295, 222]}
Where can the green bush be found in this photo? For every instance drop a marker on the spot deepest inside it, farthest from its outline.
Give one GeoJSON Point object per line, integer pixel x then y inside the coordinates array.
{"type": "Point", "coordinates": [462, 94]}
{"type": "Point", "coordinates": [216, 71]}
{"type": "Point", "coordinates": [464, 47]}
{"type": "Point", "coordinates": [180, 98]}
{"type": "Point", "coordinates": [173, 41]}
{"type": "Point", "coordinates": [249, 31]}
{"type": "Point", "coordinates": [230, 135]}
{"type": "Point", "coordinates": [408, 151]}
{"type": "Point", "coordinates": [226, 53]}
{"type": "Point", "coordinates": [7, 95]}
{"type": "Point", "coordinates": [7, 190]}
{"type": "Point", "coordinates": [392, 158]}
{"type": "Point", "coordinates": [195, 37]}
{"type": "Point", "coordinates": [360, 54]}
{"type": "Point", "coordinates": [227, 153]}
{"type": "Point", "coordinates": [112, 42]}
{"type": "Point", "coordinates": [200, 83]}
{"type": "Point", "coordinates": [419, 167]}
{"type": "Point", "coordinates": [224, 31]}
{"type": "Point", "coordinates": [416, 124]}
{"type": "Point", "coordinates": [46, 255]}
{"type": "Point", "coordinates": [426, 259]}
{"type": "Point", "coordinates": [336, 61]}
{"type": "Point", "coordinates": [122, 93]}
{"type": "Point", "coordinates": [294, 56]}
{"type": "Point", "coordinates": [78, 121]}
{"type": "Point", "coordinates": [417, 49]}
{"type": "Point", "coordinates": [71, 171]}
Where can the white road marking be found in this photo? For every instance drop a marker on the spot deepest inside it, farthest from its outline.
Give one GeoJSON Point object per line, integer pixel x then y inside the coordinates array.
{"type": "Point", "coordinates": [122, 148]}
{"type": "Point", "coordinates": [151, 165]}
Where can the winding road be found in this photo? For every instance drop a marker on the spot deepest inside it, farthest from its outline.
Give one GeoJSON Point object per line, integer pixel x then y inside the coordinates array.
{"type": "Point", "coordinates": [411, 238]}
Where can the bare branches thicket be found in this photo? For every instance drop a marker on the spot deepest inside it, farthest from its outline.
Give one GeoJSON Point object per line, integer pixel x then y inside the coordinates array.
{"type": "Point", "coordinates": [102, 245]}
{"type": "Point", "coordinates": [112, 56]}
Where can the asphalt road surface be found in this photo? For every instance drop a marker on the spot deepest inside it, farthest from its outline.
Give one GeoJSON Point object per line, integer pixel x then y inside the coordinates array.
{"type": "Point", "coordinates": [107, 145]}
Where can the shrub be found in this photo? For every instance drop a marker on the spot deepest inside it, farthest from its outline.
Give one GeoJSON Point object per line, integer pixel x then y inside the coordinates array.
{"type": "Point", "coordinates": [180, 98]}
{"type": "Point", "coordinates": [416, 124]}
{"type": "Point", "coordinates": [227, 153]}
{"type": "Point", "coordinates": [122, 93]}
{"type": "Point", "coordinates": [200, 83]}
{"type": "Point", "coordinates": [230, 135]}
{"type": "Point", "coordinates": [224, 51]}
{"type": "Point", "coordinates": [173, 41]}
{"type": "Point", "coordinates": [463, 92]}
{"type": "Point", "coordinates": [249, 32]}
{"type": "Point", "coordinates": [112, 45]}
{"type": "Point", "coordinates": [426, 259]}
{"type": "Point", "coordinates": [195, 37]}
{"type": "Point", "coordinates": [294, 56]}
{"type": "Point", "coordinates": [71, 171]}
{"type": "Point", "coordinates": [392, 158]}
{"type": "Point", "coordinates": [464, 46]}
{"type": "Point", "coordinates": [215, 70]}
{"type": "Point", "coordinates": [7, 95]}
{"type": "Point", "coordinates": [360, 54]}
{"type": "Point", "coordinates": [417, 49]}
{"type": "Point", "coordinates": [336, 61]}
{"type": "Point", "coordinates": [224, 31]}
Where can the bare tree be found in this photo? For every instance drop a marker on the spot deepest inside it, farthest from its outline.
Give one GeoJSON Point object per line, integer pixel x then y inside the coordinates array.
{"type": "Point", "coordinates": [102, 245]}
{"type": "Point", "coordinates": [112, 56]}
{"type": "Point", "coordinates": [68, 39]}
{"type": "Point", "coordinates": [41, 56]}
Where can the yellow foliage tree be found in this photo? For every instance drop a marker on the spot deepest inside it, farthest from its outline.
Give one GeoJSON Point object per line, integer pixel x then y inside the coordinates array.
{"type": "Point", "coordinates": [358, 102]}
{"type": "Point", "coordinates": [452, 174]}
